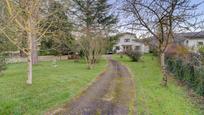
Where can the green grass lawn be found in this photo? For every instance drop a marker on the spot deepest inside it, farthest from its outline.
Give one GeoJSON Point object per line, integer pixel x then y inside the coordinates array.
{"type": "Point", "coordinates": [151, 97]}
{"type": "Point", "coordinates": [52, 86]}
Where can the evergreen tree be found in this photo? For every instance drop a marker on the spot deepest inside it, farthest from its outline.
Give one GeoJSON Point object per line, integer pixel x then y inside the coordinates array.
{"type": "Point", "coordinates": [58, 36]}
{"type": "Point", "coordinates": [93, 14]}
{"type": "Point", "coordinates": [93, 20]}
{"type": "Point", "coordinates": [104, 17]}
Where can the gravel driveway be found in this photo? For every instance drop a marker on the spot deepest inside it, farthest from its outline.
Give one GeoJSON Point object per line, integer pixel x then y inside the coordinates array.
{"type": "Point", "coordinates": [111, 94]}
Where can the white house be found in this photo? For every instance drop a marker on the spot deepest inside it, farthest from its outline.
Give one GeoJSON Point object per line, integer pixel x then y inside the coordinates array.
{"type": "Point", "coordinates": [128, 41]}
{"type": "Point", "coordinates": [192, 40]}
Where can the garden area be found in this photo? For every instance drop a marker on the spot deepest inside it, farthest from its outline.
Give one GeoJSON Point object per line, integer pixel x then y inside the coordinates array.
{"type": "Point", "coordinates": [54, 84]}
{"type": "Point", "coordinates": [59, 57]}
{"type": "Point", "coordinates": [152, 97]}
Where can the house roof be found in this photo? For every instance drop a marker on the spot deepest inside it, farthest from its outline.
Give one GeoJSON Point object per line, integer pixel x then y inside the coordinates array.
{"type": "Point", "coordinates": [189, 35]}
{"type": "Point", "coordinates": [192, 35]}
{"type": "Point", "coordinates": [125, 33]}
{"type": "Point", "coordinates": [180, 37]}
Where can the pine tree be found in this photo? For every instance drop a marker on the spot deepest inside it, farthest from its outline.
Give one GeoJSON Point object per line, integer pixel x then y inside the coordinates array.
{"type": "Point", "coordinates": [93, 20]}
{"type": "Point", "coordinates": [59, 33]}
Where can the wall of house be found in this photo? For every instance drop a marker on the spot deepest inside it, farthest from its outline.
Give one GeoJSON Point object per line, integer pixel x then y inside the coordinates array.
{"type": "Point", "coordinates": [134, 44]}
{"type": "Point", "coordinates": [122, 39]}
{"type": "Point", "coordinates": [193, 44]}
{"type": "Point", "coordinates": [146, 49]}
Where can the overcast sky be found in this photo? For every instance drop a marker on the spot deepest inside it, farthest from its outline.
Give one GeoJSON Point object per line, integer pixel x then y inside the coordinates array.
{"type": "Point", "coordinates": [117, 3]}
{"type": "Point", "coordinates": [201, 7]}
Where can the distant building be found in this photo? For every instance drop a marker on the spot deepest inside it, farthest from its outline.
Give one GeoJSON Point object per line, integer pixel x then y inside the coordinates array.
{"type": "Point", "coordinates": [192, 40]}
{"type": "Point", "coordinates": [128, 41]}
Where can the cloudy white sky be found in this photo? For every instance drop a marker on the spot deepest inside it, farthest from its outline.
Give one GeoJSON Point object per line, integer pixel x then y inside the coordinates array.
{"type": "Point", "coordinates": [117, 3]}
{"type": "Point", "coordinates": [201, 7]}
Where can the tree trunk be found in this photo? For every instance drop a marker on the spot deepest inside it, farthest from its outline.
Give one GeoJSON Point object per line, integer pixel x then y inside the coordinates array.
{"type": "Point", "coordinates": [34, 51]}
{"type": "Point", "coordinates": [30, 51]}
{"type": "Point", "coordinates": [29, 81]}
{"type": "Point", "coordinates": [163, 67]}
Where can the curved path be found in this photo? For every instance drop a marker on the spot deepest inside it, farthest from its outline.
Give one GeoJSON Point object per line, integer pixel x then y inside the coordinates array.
{"type": "Point", "coordinates": [111, 94]}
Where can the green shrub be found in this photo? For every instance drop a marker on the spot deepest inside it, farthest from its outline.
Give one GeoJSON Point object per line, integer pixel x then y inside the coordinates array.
{"type": "Point", "coordinates": [134, 55]}
{"type": "Point", "coordinates": [201, 51]}
{"type": "Point", "coordinates": [48, 52]}
{"type": "Point", "coordinates": [154, 51]}
{"type": "Point", "coordinates": [199, 83]}
{"type": "Point", "coordinates": [192, 75]}
{"type": "Point", "coordinates": [2, 63]}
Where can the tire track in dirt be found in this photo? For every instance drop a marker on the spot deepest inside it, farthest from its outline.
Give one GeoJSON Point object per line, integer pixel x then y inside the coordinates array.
{"type": "Point", "coordinates": [110, 94]}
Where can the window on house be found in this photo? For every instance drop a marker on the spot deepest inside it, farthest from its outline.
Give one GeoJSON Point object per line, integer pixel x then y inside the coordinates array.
{"type": "Point", "coordinates": [187, 42]}
{"type": "Point", "coordinates": [127, 40]}
{"type": "Point", "coordinates": [137, 48]}
{"type": "Point", "coordinates": [117, 48]}
{"type": "Point", "coordinates": [200, 43]}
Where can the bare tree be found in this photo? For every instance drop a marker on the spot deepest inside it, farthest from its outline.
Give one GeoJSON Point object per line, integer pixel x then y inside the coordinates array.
{"type": "Point", "coordinates": [160, 18]}
{"type": "Point", "coordinates": [92, 19]}
{"type": "Point", "coordinates": [22, 21]}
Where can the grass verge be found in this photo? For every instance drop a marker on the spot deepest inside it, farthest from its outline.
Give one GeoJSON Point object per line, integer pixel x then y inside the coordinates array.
{"type": "Point", "coordinates": [151, 97]}
{"type": "Point", "coordinates": [52, 86]}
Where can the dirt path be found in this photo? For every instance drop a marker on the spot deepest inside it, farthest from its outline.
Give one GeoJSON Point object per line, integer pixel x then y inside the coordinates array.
{"type": "Point", "coordinates": [110, 94]}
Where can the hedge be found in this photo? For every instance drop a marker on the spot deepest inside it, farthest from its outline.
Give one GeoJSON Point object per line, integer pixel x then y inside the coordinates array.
{"type": "Point", "coordinates": [191, 74]}
{"type": "Point", "coordinates": [134, 55]}
{"type": "Point", "coordinates": [2, 63]}
{"type": "Point", "coordinates": [48, 52]}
